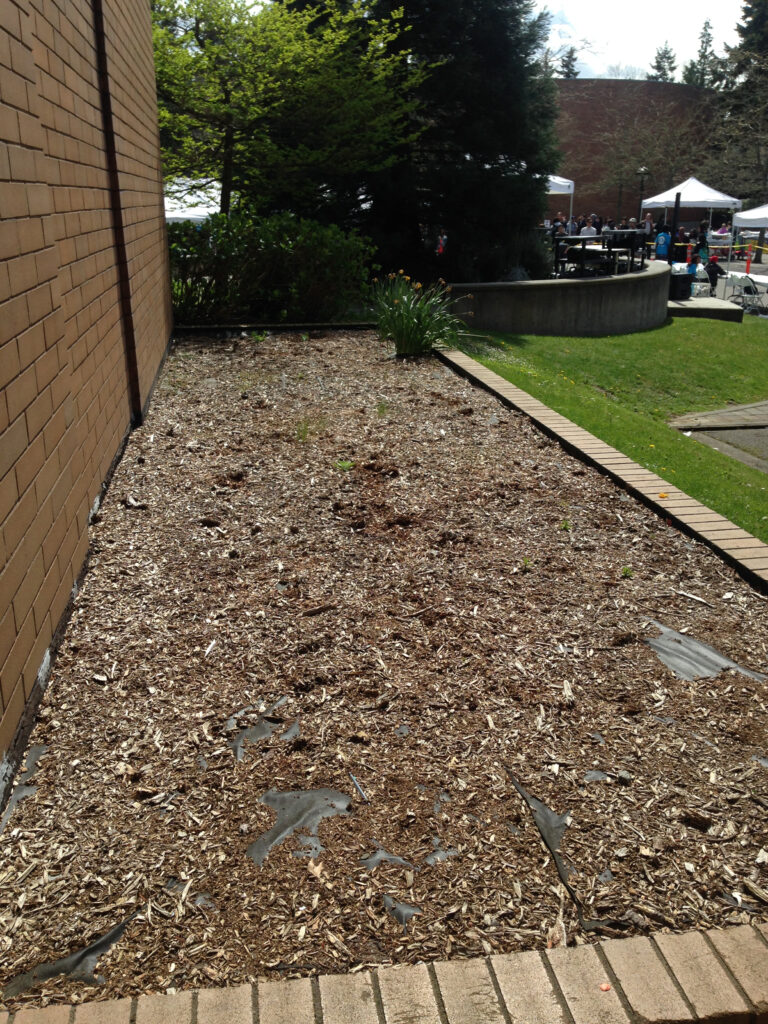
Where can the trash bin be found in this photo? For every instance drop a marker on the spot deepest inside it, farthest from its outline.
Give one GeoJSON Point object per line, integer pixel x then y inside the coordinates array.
{"type": "Point", "coordinates": [679, 286]}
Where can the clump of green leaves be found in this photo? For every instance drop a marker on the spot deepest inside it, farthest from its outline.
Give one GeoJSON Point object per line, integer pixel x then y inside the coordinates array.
{"type": "Point", "coordinates": [415, 318]}
{"type": "Point", "coordinates": [277, 268]}
{"type": "Point", "coordinates": [627, 572]}
{"type": "Point", "coordinates": [306, 427]}
{"type": "Point", "coordinates": [344, 464]}
{"type": "Point", "coordinates": [566, 525]}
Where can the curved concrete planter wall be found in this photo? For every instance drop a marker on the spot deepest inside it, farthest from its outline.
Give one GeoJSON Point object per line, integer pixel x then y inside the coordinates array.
{"type": "Point", "coordinates": [577, 306]}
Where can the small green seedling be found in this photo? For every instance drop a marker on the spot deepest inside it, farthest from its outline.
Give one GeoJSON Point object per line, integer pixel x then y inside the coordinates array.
{"type": "Point", "coordinates": [527, 565]}
{"type": "Point", "coordinates": [626, 572]}
{"type": "Point", "coordinates": [344, 464]}
{"type": "Point", "coordinates": [382, 409]}
{"type": "Point", "coordinates": [566, 525]}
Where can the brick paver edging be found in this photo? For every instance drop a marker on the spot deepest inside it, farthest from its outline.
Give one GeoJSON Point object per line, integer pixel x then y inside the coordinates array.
{"type": "Point", "coordinates": [720, 977]}
{"type": "Point", "coordinates": [747, 554]}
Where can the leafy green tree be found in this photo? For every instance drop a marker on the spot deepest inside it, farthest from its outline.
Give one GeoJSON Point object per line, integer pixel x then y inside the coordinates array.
{"type": "Point", "coordinates": [478, 169]}
{"type": "Point", "coordinates": [286, 107]}
{"type": "Point", "coordinates": [707, 70]}
{"type": "Point", "coordinates": [664, 65]}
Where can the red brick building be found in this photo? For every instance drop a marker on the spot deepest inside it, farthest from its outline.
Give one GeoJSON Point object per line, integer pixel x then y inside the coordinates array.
{"type": "Point", "coordinates": [610, 128]}
{"type": "Point", "coordinates": [85, 311]}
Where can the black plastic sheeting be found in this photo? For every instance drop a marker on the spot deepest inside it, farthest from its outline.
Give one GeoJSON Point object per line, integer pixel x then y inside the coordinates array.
{"type": "Point", "coordinates": [300, 809]}
{"type": "Point", "coordinates": [80, 965]}
{"type": "Point", "coordinates": [439, 854]}
{"type": "Point", "coordinates": [691, 659]}
{"type": "Point", "coordinates": [552, 828]}
{"type": "Point", "coordinates": [381, 856]}
{"type": "Point", "coordinates": [402, 912]}
{"type": "Point", "coordinates": [21, 790]}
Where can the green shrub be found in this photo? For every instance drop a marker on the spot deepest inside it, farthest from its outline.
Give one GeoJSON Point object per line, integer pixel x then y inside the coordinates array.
{"type": "Point", "coordinates": [413, 317]}
{"type": "Point", "coordinates": [268, 269]}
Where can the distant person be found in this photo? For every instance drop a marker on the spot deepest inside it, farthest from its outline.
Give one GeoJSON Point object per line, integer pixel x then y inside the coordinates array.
{"type": "Point", "coordinates": [647, 225]}
{"type": "Point", "coordinates": [442, 243]}
{"type": "Point", "coordinates": [557, 223]}
{"type": "Point", "coordinates": [589, 229]}
{"type": "Point", "coordinates": [714, 271]}
{"type": "Point", "coordinates": [663, 242]}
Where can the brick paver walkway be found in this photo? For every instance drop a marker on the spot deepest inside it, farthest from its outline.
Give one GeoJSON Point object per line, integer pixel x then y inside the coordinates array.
{"type": "Point", "coordinates": [718, 977]}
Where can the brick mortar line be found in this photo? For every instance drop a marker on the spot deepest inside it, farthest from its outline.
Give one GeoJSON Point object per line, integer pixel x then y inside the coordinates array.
{"type": "Point", "coordinates": [441, 1011]}
{"type": "Point", "coordinates": [467, 367]}
{"type": "Point", "coordinates": [378, 1000]}
{"type": "Point", "coordinates": [670, 971]}
{"type": "Point", "coordinates": [730, 974]}
{"type": "Point", "coordinates": [317, 1002]}
{"type": "Point", "coordinates": [255, 1008]}
{"type": "Point", "coordinates": [615, 980]}
{"type": "Point", "coordinates": [497, 990]}
{"type": "Point", "coordinates": [559, 994]}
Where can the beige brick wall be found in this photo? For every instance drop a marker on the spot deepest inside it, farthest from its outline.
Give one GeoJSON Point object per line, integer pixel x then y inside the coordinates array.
{"type": "Point", "coordinates": [65, 400]}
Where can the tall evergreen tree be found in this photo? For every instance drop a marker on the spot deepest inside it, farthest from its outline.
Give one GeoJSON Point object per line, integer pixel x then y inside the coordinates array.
{"type": "Point", "coordinates": [664, 65]}
{"type": "Point", "coordinates": [568, 64]}
{"type": "Point", "coordinates": [479, 168]}
{"type": "Point", "coordinates": [737, 154]}
{"type": "Point", "coordinates": [706, 70]}
{"type": "Point", "coordinates": [753, 34]}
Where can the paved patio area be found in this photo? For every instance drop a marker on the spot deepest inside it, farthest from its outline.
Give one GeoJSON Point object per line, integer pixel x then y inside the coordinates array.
{"type": "Point", "coordinates": [740, 431]}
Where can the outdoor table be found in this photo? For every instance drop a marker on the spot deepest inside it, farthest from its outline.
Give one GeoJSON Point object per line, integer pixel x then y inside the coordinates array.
{"type": "Point", "coordinates": [584, 251]}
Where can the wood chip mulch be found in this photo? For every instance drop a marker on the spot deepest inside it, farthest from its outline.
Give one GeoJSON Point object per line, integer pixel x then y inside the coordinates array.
{"type": "Point", "coordinates": [319, 568]}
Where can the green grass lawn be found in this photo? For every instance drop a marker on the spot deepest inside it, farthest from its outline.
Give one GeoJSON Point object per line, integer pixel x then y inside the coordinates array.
{"type": "Point", "coordinates": [624, 389]}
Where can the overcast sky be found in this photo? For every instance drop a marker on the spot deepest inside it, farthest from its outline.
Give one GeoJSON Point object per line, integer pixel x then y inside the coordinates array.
{"type": "Point", "coordinates": [607, 32]}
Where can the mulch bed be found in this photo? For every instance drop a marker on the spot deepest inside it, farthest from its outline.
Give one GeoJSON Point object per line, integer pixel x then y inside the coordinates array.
{"type": "Point", "coordinates": [319, 568]}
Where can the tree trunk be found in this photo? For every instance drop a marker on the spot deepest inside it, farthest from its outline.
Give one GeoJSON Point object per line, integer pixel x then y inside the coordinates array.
{"type": "Point", "coordinates": [226, 171]}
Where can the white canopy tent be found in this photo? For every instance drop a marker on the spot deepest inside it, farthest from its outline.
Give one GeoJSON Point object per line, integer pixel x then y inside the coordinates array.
{"type": "Point", "coordinates": [692, 193]}
{"type": "Point", "coordinates": [755, 218]}
{"type": "Point", "coordinates": [561, 187]}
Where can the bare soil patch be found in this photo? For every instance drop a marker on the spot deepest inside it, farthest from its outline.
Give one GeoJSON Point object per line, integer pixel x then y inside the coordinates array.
{"type": "Point", "coordinates": [318, 568]}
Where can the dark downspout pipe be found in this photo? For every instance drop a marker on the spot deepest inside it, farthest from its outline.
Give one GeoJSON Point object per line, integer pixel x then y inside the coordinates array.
{"type": "Point", "coordinates": [129, 333]}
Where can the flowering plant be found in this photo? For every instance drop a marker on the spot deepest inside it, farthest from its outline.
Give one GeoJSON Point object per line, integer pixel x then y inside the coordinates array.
{"type": "Point", "coordinates": [414, 317]}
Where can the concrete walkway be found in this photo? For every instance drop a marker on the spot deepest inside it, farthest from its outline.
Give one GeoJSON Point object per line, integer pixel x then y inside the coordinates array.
{"type": "Point", "coordinates": [719, 977]}
{"type": "Point", "coordinates": [740, 431]}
